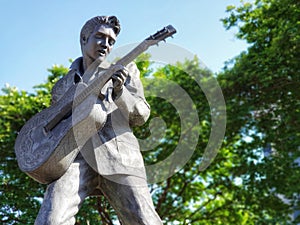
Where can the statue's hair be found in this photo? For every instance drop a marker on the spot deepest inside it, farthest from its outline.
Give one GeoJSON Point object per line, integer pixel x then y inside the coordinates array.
{"type": "Point", "coordinates": [90, 25]}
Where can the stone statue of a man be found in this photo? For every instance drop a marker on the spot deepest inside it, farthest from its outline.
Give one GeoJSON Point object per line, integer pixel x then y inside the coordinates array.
{"type": "Point", "coordinates": [110, 163]}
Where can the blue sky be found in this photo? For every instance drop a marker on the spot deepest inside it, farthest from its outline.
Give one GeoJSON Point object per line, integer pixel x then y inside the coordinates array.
{"type": "Point", "coordinates": [37, 34]}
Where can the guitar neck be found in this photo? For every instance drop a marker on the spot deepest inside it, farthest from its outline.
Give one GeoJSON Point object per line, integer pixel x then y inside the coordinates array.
{"type": "Point", "coordinates": [129, 57]}
{"type": "Point", "coordinates": [98, 83]}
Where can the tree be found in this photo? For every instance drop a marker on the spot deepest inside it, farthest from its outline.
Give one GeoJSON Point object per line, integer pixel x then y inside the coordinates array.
{"type": "Point", "coordinates": [260, 87]}
{"type": "Point", "coordinates": [19, 196]}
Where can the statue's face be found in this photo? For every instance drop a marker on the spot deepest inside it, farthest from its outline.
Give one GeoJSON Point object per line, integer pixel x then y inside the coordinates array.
{"type": "Point", "coordinates": [99, 44]}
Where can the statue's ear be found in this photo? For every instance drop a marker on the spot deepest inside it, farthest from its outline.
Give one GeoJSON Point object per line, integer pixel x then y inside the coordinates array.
{"type": "Point", "coordinates": [84, 40]}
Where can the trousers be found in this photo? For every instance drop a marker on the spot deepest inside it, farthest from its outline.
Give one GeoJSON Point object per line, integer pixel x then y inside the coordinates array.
{"type": "Point", "coordinates": [130, 197]}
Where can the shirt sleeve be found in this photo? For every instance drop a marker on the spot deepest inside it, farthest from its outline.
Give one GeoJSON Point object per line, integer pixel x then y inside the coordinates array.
{"type": "Point", "coordinates": [131, 100]}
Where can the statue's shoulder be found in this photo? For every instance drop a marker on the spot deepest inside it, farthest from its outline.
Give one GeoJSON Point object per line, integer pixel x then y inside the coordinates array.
{"type": "Point", "coordinates": [64, 83]}
{"type": "Point", "coordinates": [133, 69]}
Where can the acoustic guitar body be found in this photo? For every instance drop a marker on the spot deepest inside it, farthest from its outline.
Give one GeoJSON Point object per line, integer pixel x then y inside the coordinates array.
{"type": "Point", "coordinates": [44, 154]}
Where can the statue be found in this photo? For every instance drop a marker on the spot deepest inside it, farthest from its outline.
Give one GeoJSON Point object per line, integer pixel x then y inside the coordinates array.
{"type": "Point", "coordinates": [108, 161]}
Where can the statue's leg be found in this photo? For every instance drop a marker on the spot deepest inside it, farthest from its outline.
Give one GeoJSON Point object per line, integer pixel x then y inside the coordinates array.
{"type": "Point", "coordinates": [131, 199]}
{"type": "Point", "coordinates": [64, 196]}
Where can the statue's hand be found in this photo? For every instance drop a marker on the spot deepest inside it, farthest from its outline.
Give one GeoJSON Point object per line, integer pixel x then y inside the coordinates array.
{"type": "Point", "coordinates": [119, 79]}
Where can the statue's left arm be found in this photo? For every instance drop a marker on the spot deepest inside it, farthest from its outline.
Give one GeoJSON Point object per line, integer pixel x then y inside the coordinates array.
{"type": "Point", "coordinates": [131, 100]}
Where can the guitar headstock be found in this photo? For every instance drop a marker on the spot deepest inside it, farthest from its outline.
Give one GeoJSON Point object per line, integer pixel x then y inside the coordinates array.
{"type": "Point", "coordinates": [161, 35]}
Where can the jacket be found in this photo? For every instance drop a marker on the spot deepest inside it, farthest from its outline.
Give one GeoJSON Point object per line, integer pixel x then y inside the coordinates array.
{"type": "Point", "coordinates": [114, 149]}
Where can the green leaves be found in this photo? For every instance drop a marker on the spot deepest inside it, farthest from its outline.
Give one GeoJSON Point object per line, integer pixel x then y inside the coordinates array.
{"type": "Point", "coordinates": [262, 103]}
{"type": "Point", "coordinates": [20, 196]}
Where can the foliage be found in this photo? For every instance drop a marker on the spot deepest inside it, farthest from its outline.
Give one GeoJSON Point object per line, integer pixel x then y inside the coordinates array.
{"type": "Point", "coordinates": [19, 195]}
{"type": "Point", "coordinates": [261, 91]}
{"type": "Point", "coordinates": [192, 196]}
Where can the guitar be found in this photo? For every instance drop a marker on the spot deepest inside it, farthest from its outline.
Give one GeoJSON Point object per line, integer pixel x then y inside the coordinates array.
{"type": "Point", "coordinates": [50, 141]}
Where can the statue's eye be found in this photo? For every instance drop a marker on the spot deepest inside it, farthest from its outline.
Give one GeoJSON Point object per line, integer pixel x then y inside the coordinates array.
{"type": "Point", "coordinates": [111, 41]}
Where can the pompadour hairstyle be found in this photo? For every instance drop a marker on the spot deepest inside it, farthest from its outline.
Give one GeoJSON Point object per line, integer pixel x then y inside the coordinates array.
{"type": "Point", "coordinates": [90, 25]}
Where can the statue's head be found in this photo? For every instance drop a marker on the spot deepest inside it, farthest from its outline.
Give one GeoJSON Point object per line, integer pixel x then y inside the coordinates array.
{"type": "Point", "coordinates": [91, 24]}
{"type": "Point", "coordinates": [97, 38]}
